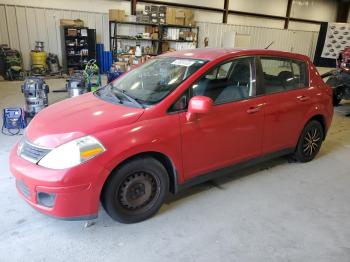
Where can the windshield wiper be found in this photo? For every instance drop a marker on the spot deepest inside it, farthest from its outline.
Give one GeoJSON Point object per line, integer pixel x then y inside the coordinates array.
{"type": "Point", "coordinates": [105, 93]}
{"type": "Point", "coordinates": [130, 98]}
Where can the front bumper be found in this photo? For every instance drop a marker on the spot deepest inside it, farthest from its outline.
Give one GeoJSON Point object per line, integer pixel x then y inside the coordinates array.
{"type": "Point", "coordinates": [70, 194]}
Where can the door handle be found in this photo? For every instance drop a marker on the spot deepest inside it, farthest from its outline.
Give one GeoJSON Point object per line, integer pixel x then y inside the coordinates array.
{"type": "Point", "coordinates": [255, 109]}
{"type": "Point", "coordinates": [303, 98]}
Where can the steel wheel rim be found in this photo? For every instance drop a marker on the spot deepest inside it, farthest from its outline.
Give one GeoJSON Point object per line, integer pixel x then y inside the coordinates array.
{"type": "Point", "coordinates": [312, 141]}
{"type": "Point", "coordinates": [138, 191]}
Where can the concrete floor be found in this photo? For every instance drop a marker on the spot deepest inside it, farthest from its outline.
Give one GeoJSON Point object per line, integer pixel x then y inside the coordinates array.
{"type": "Point", "coordinates": [277, 211]}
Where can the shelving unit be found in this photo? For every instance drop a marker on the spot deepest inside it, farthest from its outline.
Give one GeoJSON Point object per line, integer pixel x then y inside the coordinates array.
{"type": "Point", "coordinates": [73, 45]}
{"type": "Point", "coordinates": [156, 43]}
{"type": "Point", "coordinates": [179, 41]}
{"type": "Point", "coordinates": [136, 39]}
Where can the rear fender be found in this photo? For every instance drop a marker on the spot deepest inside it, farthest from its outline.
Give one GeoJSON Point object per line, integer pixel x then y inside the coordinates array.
{"type": "Point", "coordinates": [316, 110]}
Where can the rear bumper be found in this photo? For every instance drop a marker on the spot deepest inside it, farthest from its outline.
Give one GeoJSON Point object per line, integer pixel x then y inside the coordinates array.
{"type": "Point", "coordinates": [69, 194]}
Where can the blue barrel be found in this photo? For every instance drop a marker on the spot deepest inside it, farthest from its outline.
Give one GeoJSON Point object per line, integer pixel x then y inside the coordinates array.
{"type": "Point", "coordinates": [100, 56]}
{"type": "Point", "coordinates": [105, 62]}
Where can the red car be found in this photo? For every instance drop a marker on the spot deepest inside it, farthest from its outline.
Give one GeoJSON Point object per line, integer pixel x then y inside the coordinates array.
{"type": "Point", "coordinates": [180, 119]}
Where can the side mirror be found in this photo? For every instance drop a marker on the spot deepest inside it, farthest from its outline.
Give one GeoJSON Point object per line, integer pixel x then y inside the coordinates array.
{"type": "Point", "coordinates": [198, 105]}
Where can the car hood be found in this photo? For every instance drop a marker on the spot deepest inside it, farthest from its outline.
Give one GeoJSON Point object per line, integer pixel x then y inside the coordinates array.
{"type": "Point", "coordinates": [76, 117]}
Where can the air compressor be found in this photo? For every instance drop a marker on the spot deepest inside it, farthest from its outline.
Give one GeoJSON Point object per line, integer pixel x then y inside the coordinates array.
{"type": "Point", "coordinates": [53, 64]}
{"type": "Point", "coordinates": [76, 84]}
{"type": "Point", "coordinates": [38, 56]}
{"type": "Point", "coordinates": [35, 92]}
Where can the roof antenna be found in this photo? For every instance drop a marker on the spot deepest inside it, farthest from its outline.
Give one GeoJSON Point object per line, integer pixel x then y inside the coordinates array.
{"type": "Point", "coordinates": [269, 45]}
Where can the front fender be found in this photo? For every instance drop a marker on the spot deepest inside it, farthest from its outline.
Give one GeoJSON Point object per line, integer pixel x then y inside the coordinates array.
{"type": "Point", "coordinates": [159, 135]}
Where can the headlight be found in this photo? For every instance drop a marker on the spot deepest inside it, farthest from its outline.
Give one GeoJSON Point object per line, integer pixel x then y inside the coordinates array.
{"type": "Point", "coordinates": [72, 153]}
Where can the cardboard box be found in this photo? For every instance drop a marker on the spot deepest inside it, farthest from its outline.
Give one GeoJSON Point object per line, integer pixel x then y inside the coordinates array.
{"type": "Point", "coordinates": [179, 13]}
{"type": "Point", "coordinates": [176, 16]}
{"type": "Point", "coordinates": [71, 22]}
{"type": "Point", "coordinates": [162, 9]}
{"type": "Point", "coordinates": [116, 15]}
{"type": "Point", "coordinates": [170, 15]}
{"type": "Point", "coordinates": [72, 32]}
{"type": "Point", "coordinates": [188, 36]}
{"type": "Point", "coordinates": [143, 19]}
{"type": "Point", "coordinates": [165, 47]}
{"type": "Point", "coordinates": [121, 65]}
{"type": "Point", "coordinates": [179, 21]}
{"type": "Point", "coordinates": [162, 12]}
{"type": "Point", "coordinates": [155, 36]}
{"type": "Point", "coordinates": [154, 9]}
{"type": "Point", "coordinates": [149, 29]}
{"type": "Point", "coordinates": [189, 17]}
{"type": "Point", "coordinates": [67, 22]}
{"type": "Point", "coordinates": [147, 10]}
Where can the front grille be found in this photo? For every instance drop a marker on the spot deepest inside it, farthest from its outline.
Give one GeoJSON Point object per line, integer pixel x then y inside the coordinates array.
{"type": "Point", "coordinates": [23, 188]}
{"type": "Point", "coordinates": [32, 153]}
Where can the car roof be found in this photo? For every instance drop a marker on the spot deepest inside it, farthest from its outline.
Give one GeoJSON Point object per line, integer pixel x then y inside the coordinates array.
{"type": "Point", "coordinates": [216, 53]}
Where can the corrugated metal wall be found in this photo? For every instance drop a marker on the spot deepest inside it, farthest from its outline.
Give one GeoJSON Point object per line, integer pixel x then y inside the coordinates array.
{"type": "Point", "coordinates": [21, 26]}
{"type": "Point", "coordinates": [303, 42]}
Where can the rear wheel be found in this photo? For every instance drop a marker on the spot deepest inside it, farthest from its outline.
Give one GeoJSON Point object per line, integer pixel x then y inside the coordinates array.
{"type": "Point", "coordinates": [136, 191]}
{"type": "Point", "coordinates": [310, 142]}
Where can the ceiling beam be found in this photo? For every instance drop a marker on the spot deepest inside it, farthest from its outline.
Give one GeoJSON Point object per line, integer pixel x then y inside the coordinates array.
{"type": "Point", "coordinates": [220, 10]}
{"type": "Point", "coordinates": [204, 8]}
{"type": "Point", "coordinates": [234, 12]}
{"type": "Point", "coordinates": [305, 20]}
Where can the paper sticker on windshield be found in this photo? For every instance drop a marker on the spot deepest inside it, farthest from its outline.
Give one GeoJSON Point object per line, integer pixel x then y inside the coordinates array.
{"type": "Point", "coordinates": [183, 62]}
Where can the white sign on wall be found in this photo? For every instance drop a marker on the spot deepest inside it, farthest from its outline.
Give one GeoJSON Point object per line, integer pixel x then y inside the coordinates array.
{"type": "Point", "coordinates": [228, 40]}
{"type": "Point", "coordinates": [337, 39]}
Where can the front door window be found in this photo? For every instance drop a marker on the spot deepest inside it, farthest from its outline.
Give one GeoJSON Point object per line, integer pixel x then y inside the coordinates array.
{"type": "Point", "coordinates": [231, 81]}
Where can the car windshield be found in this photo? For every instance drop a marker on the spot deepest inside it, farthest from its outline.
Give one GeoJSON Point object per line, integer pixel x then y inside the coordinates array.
{"type": "Point", "coordinates": [154, 80]}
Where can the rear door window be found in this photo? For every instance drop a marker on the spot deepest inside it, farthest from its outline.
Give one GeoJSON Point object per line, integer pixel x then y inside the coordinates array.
{"type": "Point", "coordinates": [283, 74]}
{"type": "Point", "coordinates": [300, 73]}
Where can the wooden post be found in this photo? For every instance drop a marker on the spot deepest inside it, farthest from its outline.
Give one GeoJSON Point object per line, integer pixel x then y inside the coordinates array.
{"type": "Point", "coordinates": [225, 14]}
{"type": "Point", "coordinates": [133, 7]}
{"type": "Point", "coordinates": [289, 8]}
{"type": "Point", "coordinates": [343, 11]}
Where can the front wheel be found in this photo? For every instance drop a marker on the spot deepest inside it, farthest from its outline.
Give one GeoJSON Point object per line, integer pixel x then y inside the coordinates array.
{"type": "Point", "coordinates": [310, 142]}
{"type": "Point", "coordinates": [136, 191]}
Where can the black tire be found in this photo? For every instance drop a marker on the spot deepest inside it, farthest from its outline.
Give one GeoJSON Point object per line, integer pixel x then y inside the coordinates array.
{"type": "Point", "coordinates": [310, 142]}
{"type": "Point", "coordinates": [336, 99]}
{"type": "Point", "coordinates": [136, 190]}
{"type": "Point", "coordinates": [334, 82]}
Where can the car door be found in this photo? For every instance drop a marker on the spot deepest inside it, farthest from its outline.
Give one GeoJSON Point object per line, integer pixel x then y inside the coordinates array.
{"type": "Point", "coordinates": [232, 131]}
{"type": "Point", "coordinates": [284, 83]}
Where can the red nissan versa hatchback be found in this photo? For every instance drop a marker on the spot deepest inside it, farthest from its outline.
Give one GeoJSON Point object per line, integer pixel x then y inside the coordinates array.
{"type": "Point", "coordinates": [180, 119]}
